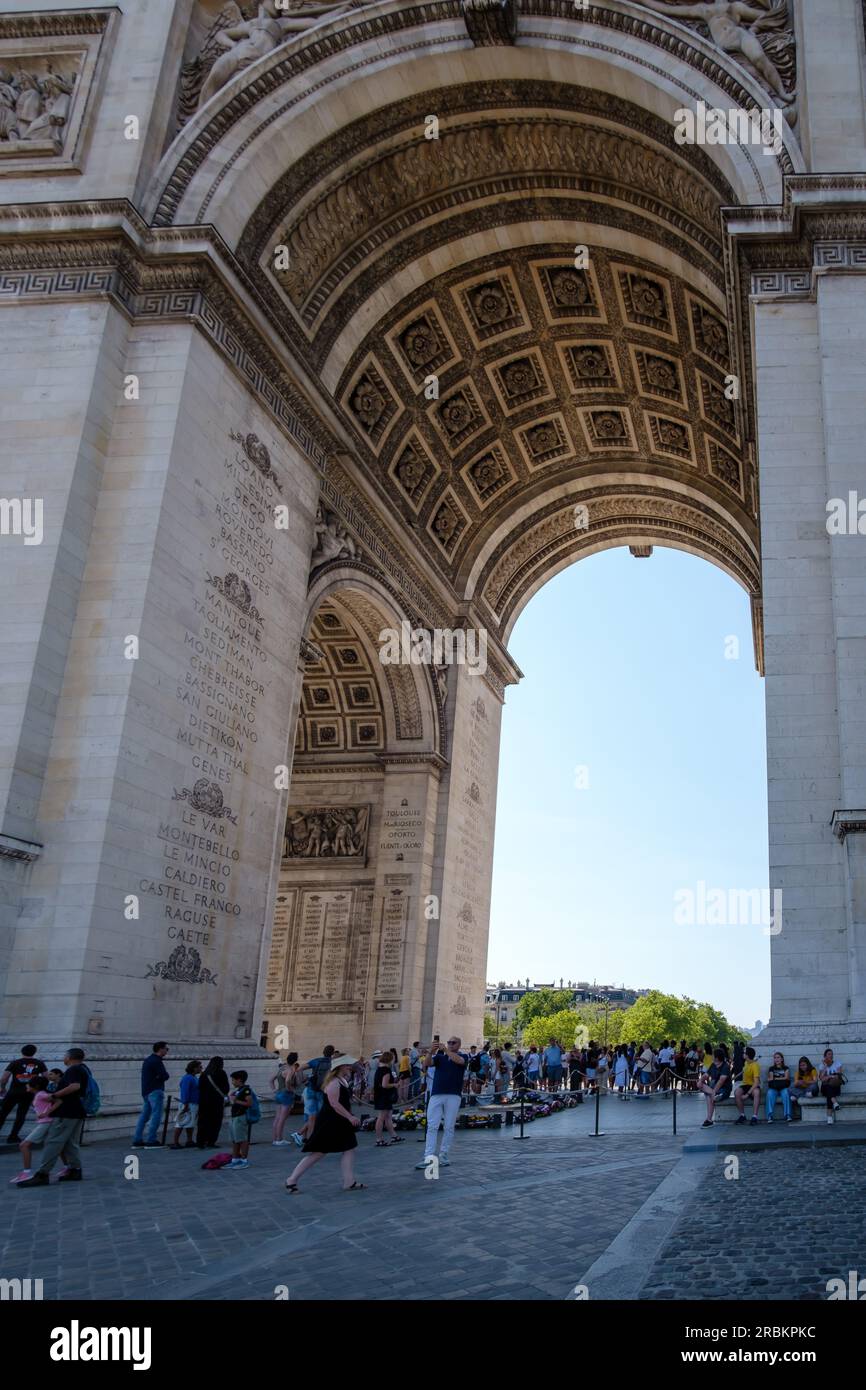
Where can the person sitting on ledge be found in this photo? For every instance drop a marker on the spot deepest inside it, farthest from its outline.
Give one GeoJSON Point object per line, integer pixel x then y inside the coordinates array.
{"type": "Point", "coordinates": [805, 1080]}
{"type": "Point", "coordinates": [778, 1084]}
{"type": "Point", "coordinates": [832, 1078]}
{"type": "Point", "coordinates": [717, 1084]}
{"type": "Point", "coordinates": [749, 1086]}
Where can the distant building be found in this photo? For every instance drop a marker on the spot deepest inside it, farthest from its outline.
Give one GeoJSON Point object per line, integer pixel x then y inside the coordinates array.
{"type": "Point", "coordinates": [501, 1001]}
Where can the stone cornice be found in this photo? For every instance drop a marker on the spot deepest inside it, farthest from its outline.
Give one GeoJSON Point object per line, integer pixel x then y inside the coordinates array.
{"type": "Point", "coordinates": [13, 848]}
{"type": "Point", "coordinates": [56, 23]}
{"type": "Point", "coordinates": [846, 823]}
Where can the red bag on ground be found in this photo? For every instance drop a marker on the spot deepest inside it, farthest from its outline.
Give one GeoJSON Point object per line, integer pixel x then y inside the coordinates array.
{"type": "Point", "coordinates": [218, 1161]}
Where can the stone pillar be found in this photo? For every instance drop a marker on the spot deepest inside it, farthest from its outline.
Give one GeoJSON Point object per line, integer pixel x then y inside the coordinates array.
{"type": "Point", "coordinates": [457, 948]}
{"type": "Point", "coordinates": [811, 401]}
{"type": "Point", "coordinates": [402, 910]}
{"type": "Point", "coordinates": [149, 775]}
{"type": "Point", "coordinates": [831, 97]}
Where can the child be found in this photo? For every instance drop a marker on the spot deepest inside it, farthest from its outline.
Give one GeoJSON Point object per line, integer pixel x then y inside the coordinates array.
{"type": "Point", "coordinates": [55, 1076]}
{"type": "Point", "coordinates": [188, 1112]}
{"type": "Point", "coordinates": [749, 1086]}
{"type": "Point", "coordinates": [42, 1104]}
{"type": "Point", "coordinates": [778, 1084]}
{"type": "Point", "coordinates": [241, 1098]}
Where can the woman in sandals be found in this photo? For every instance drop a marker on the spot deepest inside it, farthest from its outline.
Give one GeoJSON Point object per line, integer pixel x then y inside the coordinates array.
{"type": "Point", "coordinates": [334, 1129]}
{"type": "Point", "coordinates": [384, 1096]}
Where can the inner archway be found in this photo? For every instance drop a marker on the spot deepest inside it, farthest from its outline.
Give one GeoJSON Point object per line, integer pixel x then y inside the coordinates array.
{"type": "Point", "coordinates": [642, 718]}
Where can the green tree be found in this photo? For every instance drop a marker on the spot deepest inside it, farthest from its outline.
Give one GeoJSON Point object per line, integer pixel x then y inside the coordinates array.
{"type": "Point", "coordinates": [560, 1025]}
{"type": "Point", "coordinates": [656, 1016]}
{"type": "Point", "coordinates": [540, 1003]}
{"type": "Point", "coordinates": [491, 1029]}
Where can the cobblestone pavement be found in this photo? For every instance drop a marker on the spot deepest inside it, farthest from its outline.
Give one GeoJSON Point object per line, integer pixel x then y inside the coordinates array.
{"type": "Point", "coordinates": [507, 1220]}
{"type": "Point", "coordinates": [792, 1220]}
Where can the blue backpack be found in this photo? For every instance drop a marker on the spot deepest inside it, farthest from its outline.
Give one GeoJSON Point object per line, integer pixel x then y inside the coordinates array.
{"type": "Point", "coordinates": [254, 1111]}
{"type": "Point", "coordinates": [91, 1099]}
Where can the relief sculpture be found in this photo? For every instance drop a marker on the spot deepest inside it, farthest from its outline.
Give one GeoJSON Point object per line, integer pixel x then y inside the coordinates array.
{"type": "Point", "coordinates": [239, 36]}
{"type": "Point", "coordinates": [334, 832]}
{"type": "Point", "coordinates": [34, 107]}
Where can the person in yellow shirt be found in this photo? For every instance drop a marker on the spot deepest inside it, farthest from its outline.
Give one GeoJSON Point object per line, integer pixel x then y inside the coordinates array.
{"type": "Point", "coordinates": [805, 1081]}
{"type": "Point", "coordinates": [749, 1086]}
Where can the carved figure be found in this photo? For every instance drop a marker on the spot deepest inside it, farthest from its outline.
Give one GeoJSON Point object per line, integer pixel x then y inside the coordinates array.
{"type": "Point", "coordinates": [243, 43]}
{"type": "Point", "coordinates": [240, 36]}
{"type": "Point", "coordinates": [56, 93]}
{"type": "Point", "coordinates": [336, 832]}
{"type": "Point", "coordinates": [333, 541]}
{"type": "Point", "coordinates": [734, 28]}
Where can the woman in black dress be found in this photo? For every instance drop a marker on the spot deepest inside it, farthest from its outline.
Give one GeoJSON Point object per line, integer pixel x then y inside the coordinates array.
{"type": "Point", "coordinates": [334, 1130]}
{"type": "Point", "coordinates": [212, 1091]}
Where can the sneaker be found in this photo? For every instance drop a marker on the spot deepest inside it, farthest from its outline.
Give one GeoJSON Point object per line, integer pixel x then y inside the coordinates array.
{"type": "Point", "coordinates": [71, 1175]}
{"type": "Point", "coordinates": [296, 1139]}
{"type": "Point", "coordinates": [37, 1180]}
{"type": "Point", "coordinates": [708, 1124]}
{"type": "Point", "coordinates": [151, 1144]}
{"type": "Point", "coordinates": [753, 1120]}
{"type": "Point", "coordinates": [788, 1119]}
{"type": "Point", "coordinates": [422, 1164]}
{"type": "Point", "coordinates": [444, 1161]}
{"type": "Point", "coordinates": [831, 1119]}
{"type": "Point", "coordinates": [240, 1163]}
{"type": "Point", "coordinates": [769, 1119]}
{"type": "Point", "coordinates": [138, 1143]}
{"type": "Point", "coordinates": [741, 1120]}
{"type": "Point", "coordinates": [19, 1177]}
{"type": "Point", "coordinates": [233, 1163]}
{"type": "Point", "coordinates": [835, 1105]}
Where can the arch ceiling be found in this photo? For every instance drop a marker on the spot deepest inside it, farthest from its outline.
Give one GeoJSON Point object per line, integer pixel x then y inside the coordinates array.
{"type": "Point", "coordinates": [559, 383]}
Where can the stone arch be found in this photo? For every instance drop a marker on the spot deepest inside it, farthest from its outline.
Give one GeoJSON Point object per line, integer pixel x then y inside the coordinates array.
{"type": "Point", "coordinates": [209, 170]}
{"type": "Point", "coordinates": [413, 709]}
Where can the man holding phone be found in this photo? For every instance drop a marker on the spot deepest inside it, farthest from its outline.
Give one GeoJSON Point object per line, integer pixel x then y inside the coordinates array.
{"type": "Point", "coordinates": [448, 1066]}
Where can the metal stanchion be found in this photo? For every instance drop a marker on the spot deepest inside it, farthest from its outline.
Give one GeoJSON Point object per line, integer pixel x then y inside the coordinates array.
{"type": "Point", "coordinates": [521, 1135]}
{"type": "Point", "coordinates": [675, 1109]}
{"type": "Point", "coordinates": [597, 1133]}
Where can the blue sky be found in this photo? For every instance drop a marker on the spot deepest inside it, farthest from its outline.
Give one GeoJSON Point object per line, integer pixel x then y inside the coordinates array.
{"type": "Point", "coordinates": [625, 675]}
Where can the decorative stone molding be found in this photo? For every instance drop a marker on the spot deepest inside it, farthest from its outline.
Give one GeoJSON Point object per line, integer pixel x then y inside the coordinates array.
{"type": "Point", "coordinates": [845, 823]}
{"type": "Point", "coordinates": [51, 67]}
{"type": "Point", "coordinates": [13, 848]}
{"type": "Point", "coordinates": [614, 513]}
{"type": "Point", "coordinates": [431, 19]}
{"type": "Point", "coordinates": [152, 277]}
{"type": "Point", "coordinates": [490, 22]}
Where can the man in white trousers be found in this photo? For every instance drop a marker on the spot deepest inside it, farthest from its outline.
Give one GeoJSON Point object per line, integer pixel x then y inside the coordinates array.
{"type": "Point", "coordinates": [449, 1067]}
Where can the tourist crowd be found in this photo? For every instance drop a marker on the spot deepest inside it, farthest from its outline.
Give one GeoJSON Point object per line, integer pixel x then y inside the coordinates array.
{"type": "Point", "coordinates": [326, 1086]}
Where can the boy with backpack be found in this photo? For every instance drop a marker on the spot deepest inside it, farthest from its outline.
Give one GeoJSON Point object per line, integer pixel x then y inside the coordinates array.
{"type": "Point", "coordinates": [76, 1097]}
{"type": "Point", "coordinates": [245, 1112]}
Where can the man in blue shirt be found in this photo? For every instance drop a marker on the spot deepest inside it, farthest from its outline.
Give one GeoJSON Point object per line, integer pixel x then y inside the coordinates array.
{"type": "Point", "coordinates": [553, 1058]}
{"type": "Point", "coordinates": [449, 1068]}
{"type": "Point", "coordinates": [153, 1079]}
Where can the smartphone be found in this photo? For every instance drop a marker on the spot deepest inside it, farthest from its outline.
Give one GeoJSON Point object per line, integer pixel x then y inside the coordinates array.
{"type": "Point", "coordinates": [435, 1037]}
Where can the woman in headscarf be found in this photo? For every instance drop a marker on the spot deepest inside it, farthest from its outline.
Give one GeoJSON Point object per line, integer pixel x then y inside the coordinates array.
{"type": "Point", "coordinates": [212, 1091]}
